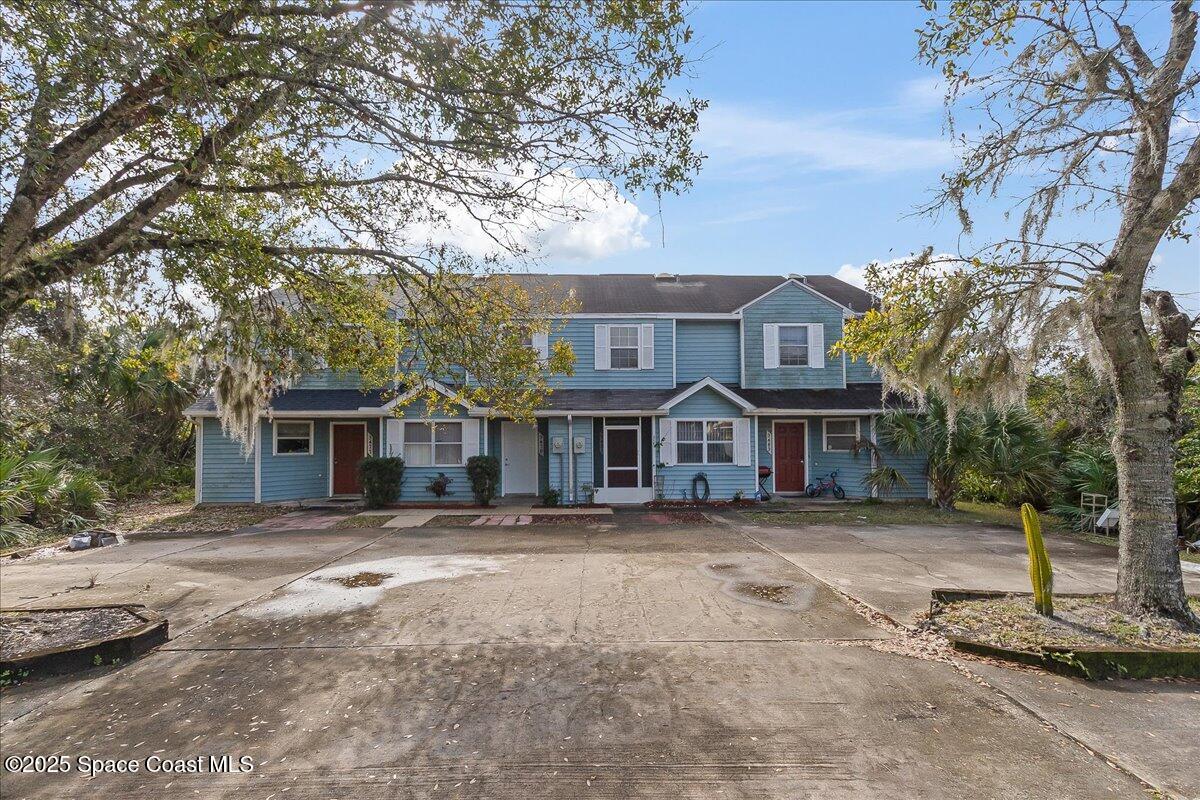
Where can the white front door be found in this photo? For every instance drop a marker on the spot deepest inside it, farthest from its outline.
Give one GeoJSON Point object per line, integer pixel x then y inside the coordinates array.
{"type": "Point", "coordinates": [518, 445]}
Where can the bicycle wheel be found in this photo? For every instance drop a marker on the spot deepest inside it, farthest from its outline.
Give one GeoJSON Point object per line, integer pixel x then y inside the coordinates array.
{"type": "Point", "coordinates": [839, 493]}
{"type": "Point", "coordinates": [812, 490]}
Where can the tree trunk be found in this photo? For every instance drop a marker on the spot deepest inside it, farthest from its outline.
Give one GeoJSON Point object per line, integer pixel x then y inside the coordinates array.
{"type": "Point", "coordinates": [1149, 576]}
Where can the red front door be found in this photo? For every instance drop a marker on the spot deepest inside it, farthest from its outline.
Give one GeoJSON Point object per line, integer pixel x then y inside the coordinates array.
{"type": "Point", "coordinates": [789, 457]}
{"type": "Point", "coordinates": [349, 446]}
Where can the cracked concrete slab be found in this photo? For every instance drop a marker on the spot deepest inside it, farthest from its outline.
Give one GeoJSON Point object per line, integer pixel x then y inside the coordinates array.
{"type": "Point", "coordinates": [604, 662]}
{"type": "Point", "coordinates": [699, 720]}
{"type": "Point", "coordinates": [1151, 728]}
{"type": "Point", "coordinates": [893, 567]}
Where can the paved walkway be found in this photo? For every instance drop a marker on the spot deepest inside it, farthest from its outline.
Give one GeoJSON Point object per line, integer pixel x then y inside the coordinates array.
{"type": "Point", "coordinates": [507, 514]}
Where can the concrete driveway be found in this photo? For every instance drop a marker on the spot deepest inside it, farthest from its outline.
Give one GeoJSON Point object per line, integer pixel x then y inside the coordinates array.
{"type": "Point", "coordinates": [1151, 728]}
{"type": "Point", "coordinates": [606, 660]}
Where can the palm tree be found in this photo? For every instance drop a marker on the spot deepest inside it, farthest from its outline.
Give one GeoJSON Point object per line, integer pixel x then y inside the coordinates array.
{"type": "Point", "coordinates": [1008, 445]}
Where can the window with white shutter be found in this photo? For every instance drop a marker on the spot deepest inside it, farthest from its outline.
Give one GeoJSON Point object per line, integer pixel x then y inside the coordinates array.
{"type": "Point", "coordinates": [624, 347]}
{"type": "Point", "coordinates": [793, 345]}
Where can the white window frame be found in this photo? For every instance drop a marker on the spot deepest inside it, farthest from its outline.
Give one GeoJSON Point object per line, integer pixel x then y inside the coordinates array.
{"type": "Point", "coordinates": [807, 345]}
{"type": "Point", "coordinates": [275, 437]}
{"type": "Point", "coordinates": [825, 433]}
{"type": "Point", "coordinates": [433, 442]}
{"type": "Point", "coordinates": [704, 441]}
{"type": "Point", "coordinates": [637, 348]}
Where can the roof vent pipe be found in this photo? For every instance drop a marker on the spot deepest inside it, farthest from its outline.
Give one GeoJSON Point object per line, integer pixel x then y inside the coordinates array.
{"type": "Point", "coordinates": [666, 276]}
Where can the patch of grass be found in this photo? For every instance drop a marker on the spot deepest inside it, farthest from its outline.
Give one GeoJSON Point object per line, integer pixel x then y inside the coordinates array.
{"type": "Point", "coordinates": [1078, 622]}
{"type": "Point", "coordinates": [200, 519]}
{"type": "Point", "coordinates": [899, 513]}
{"type": "Point", "coordinates": [363, 521]}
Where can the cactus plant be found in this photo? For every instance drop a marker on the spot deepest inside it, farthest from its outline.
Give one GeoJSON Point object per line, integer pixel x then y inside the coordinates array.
{"type": "Point", "coordinates": [1040, 573]}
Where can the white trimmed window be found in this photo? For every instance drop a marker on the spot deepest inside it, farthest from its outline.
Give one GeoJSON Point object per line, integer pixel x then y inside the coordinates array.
{"type": "Point", "coordinates": [704, 441]}
{"type": "Point", "coordinates": [840, 435]}
{"type": "Point", "coordinates": [793, 345]}
{"type": "Point", "coordinates": [433, 444]}
{"type": "Point", "coordinates": [293, 438]}
{"type": "Point", "coordinates": [623, 346]}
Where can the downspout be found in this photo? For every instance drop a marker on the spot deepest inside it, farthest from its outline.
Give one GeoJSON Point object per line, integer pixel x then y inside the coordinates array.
{"type": "Point", "coordinates": [874, 454]}
{"type": "Point", "coordinates": [198, 425]}
{"type": "Point", "coordinates": [570, 459]}
{"type": "Point", "coordinates": [258, 460]}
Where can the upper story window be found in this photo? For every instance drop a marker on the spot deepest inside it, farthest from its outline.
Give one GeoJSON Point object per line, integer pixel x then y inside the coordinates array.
{"type": "Point", "coordinates": [623, 346]}
{"type": "Point", "coordinates": [433, 444]}
{"type": "Point", "coordinates": [840, 435]}
{"type": "Point", "coordinates": [293, 438]}
{"type": "Point", "coordinates": [793, 345]}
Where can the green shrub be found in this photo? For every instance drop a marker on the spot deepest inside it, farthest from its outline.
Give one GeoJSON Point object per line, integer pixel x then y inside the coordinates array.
{"type": "Point", "coordinates": [380, 478]}
{"type": "Point", "coordinates": [484, 472]}
{"type": "Point", "coordinates": [550, 497]}
{"type": "Point", "coordinates": [39, 491]}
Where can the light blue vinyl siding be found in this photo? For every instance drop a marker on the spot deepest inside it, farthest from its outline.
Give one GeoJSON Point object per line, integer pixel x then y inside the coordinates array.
{"type": "Point", "coordinates": [416, 479]}
{"type": "Point", "coordinates": [859, 371]}
{"type": "Point", "coordinates": [557, 463]}
{"type": "Point", "coordinates": [791, 304]}
{"type": "Point", "coordinates": [851, 468]}
{"type": "Point", "coordinates": [293, 477]}
{"type": "Point", "coordinates": [581, 333]}
{"type": "Point", "coordinates": [298, 477]}
{"type": "Point", "coordinates": [723, 479]}
{"type": "Point", "coordinates": [707, 349]}
{"type": "Point", "coordinates": [329, 379]}
{"type": "Point", "coordinates": [912, 467]}
{"type": "Point", "coordinates": [226, 474]}
{"type": "Point", "coordinates": [706, 403]}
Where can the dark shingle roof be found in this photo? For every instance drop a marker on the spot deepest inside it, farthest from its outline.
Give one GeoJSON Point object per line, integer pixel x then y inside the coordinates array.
{"type": "Point", "coordinates": [307, 400]}
{"type": "Point", "coordinates": [854, 396]}
{"type": "Point", "coordinates": [608, 399]}
{"type": "Point", "coordinates": [683, 294]}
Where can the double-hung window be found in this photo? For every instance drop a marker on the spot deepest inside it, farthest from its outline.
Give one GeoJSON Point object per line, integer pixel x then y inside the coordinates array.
{"type": "Point", "coordinates": [840, 435]}
{"type": "Point", "coordinates": [623, 344]}
{"type": "Point", "coordinates": [793, 345]}
{"type": "Point", "coordinates": [293, 438]}
{"type": "Point", "coordinates": [704, 441]}
{"type": "Point", "coordinates": [433, 444]}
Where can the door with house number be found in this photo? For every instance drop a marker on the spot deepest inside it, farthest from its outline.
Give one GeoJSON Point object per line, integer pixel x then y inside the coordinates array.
{"type": "Point", "coordinates": [349, 447]}
{"type": "Point", "coordinates": [789, 457]}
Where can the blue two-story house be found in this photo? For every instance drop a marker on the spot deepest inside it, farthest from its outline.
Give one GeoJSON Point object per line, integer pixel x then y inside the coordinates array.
{"type": "Point", "coordinates": [676, 377]}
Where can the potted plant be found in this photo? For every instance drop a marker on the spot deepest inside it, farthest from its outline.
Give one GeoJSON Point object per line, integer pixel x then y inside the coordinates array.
{"type": "Point", "coordinates": [439, 486]}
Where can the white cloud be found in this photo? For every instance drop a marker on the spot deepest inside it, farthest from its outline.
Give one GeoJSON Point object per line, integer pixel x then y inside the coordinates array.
{"type": "Point", "coordinates": [609, 224]}
{"type": "Point", "coordinates": [739, 137]}
{"type": "Point", "coordinates": [926, 94]}
{"type": "Point", "coordinates": [601, 223]}
{"type": "Point", "coordinates": [856, 274]}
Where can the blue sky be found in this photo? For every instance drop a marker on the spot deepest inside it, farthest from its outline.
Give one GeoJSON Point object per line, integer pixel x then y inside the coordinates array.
{"type": "Point", "coordinates": [823, 135]}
